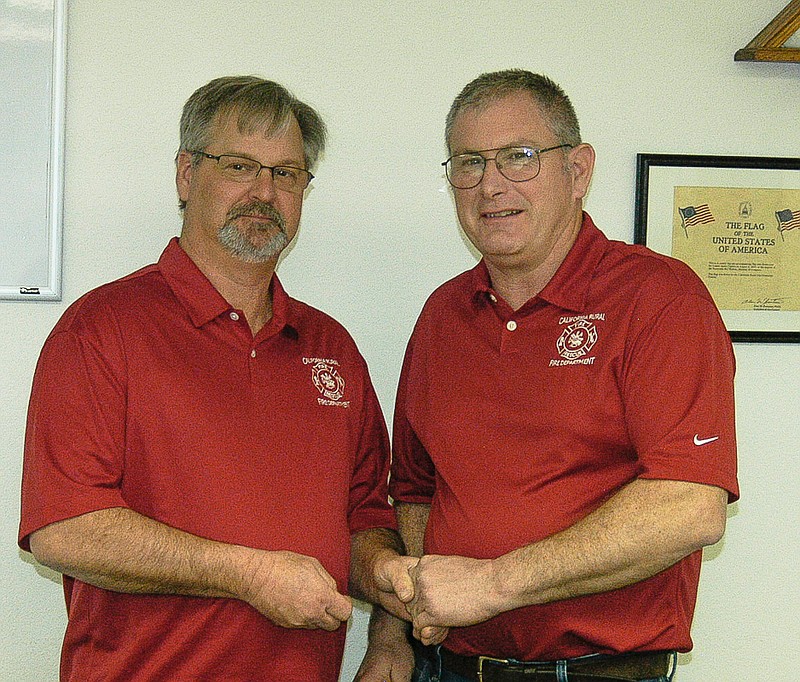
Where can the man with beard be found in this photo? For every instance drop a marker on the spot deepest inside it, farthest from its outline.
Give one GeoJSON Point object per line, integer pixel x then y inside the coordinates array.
{"type": "Point", "coordinates": [205, 458]}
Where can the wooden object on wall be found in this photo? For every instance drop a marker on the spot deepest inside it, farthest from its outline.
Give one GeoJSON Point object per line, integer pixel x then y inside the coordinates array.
{"type": "Point", "coordinates": [767, 46]}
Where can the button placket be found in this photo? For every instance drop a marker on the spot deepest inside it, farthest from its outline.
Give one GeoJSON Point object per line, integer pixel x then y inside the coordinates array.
{"type": "Point", "coordinates": [510, 338]}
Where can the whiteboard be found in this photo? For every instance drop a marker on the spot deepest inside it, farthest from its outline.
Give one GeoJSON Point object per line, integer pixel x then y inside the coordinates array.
{"type": "Point", "coordinates": [32, 75]}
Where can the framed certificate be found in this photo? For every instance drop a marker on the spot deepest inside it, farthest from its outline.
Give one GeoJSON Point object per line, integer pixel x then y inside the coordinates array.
{"type": "Point", "coordinates": [735, 220]}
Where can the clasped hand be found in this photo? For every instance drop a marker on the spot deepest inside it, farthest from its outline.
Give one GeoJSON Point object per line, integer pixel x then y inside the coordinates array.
{"type": "Point", "coordinates": [439, 592]}
{"type": "Point", "coordinates": [294, 591]}
{"type": "Point", "coordinates": [435, 592]}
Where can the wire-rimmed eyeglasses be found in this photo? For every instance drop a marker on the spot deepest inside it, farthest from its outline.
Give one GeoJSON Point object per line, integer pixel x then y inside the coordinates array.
{"type": "Point", "coordinates": [518, 164]}
{"type": "Point", "coordinates": [243, 169]}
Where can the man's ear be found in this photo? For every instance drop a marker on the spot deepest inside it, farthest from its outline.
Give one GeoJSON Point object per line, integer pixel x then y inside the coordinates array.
{"type": "Point", "coordinates": [183, 174]}
{"type": "Point", "coordinates": [581, 168]}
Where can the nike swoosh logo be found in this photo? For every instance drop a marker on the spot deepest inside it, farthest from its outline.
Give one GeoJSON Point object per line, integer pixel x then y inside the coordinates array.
{"type": "Point", "coordinates": [704, 441]}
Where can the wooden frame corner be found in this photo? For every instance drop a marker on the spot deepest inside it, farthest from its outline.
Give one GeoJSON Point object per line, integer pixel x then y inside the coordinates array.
{"type": "Point", "coordinates": [768, 45]}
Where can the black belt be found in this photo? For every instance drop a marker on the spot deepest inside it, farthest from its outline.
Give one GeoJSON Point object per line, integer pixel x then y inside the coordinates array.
{"type": "Point", "coordinates": [623, 668]}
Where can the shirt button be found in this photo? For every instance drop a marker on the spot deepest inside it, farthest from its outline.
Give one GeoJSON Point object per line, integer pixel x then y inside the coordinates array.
{"type": "Point", "coordinates": [493, 298]}
{"type": "Point", "coordinates": [234, 316]}
{"type": "Point", "coordinates": [252, 353]}
{"type": "Point", "coordinates": [511, 325]}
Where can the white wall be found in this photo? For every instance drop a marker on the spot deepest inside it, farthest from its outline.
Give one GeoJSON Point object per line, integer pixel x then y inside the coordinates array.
{"type": "Point", "coordinates": [379, 230]}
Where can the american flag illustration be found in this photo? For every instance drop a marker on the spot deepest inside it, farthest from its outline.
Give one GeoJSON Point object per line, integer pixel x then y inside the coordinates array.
{"type": "Point", "coordinates": [696, 215]}
{"type": "Point", "coordinates": [787, 219]}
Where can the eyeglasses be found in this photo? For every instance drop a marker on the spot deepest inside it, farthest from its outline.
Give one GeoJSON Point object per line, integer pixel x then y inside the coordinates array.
{"type": "Point", "coordinates": [518, 164]}
{"type": "Point", "coordinates": [242, 169]}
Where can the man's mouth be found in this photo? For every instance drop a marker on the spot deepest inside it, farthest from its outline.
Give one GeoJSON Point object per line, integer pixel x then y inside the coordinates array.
{"type": "Point", "coordinates": [259, 213]}
{"type": "Point", "coordinates": [256, 216]}
{"type": "Point", "coordinates": [501, 214]}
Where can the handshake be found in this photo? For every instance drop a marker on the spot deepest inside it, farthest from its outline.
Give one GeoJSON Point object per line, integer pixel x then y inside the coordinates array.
{"type": "Point", "coordinates": [434, 592]}
{"type": "Point", "coordinates": [438, 592]}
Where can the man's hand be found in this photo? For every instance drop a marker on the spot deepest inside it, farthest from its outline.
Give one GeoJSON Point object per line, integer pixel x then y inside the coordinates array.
{"type": "Point", "coordinates": [294, 591]}
{"type": "Point", "coordinates": [389, 657]}
{"type": "Point", "coordinates": [451, 591]}
{"type": "Point", "coordinates": [430, 635]}
{"type": "Point", "coordinates": [377, 666]}
{"type": "Point", "coordinates": [387, 660]}
{"type": "Point", "coordinates": [393, 577]}
{"type": "Point", "coordinates": [393, 580]}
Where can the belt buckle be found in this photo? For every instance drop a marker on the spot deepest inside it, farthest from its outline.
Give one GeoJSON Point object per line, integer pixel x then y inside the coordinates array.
{"type": "Point", "coordinates": [483, 659]}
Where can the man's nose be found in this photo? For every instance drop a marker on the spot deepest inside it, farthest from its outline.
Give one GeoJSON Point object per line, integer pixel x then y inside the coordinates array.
{"type": "Point", "coordinates": [493, 181]}
{"type": "Point", "coordinates": [263, 187]}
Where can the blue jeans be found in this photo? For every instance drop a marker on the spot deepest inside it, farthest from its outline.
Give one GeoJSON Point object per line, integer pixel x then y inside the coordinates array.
{"type": "Point", "coordinates": [427, 671]}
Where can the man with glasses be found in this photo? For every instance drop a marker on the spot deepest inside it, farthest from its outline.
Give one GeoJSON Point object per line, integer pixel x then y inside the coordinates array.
{"type": "Point", "coordinates": [564, 439]}
{"type": "Point", "coordinates": [206, 460]}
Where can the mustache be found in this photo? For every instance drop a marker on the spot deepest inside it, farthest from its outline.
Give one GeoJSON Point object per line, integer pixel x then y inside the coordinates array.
{"type": "Point", "coordinates": [259, 209]}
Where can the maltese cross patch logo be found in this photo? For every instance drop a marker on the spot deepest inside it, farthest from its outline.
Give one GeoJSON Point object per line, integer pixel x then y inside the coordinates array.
{"type": "Point", "coordinates": [577, 340]}
{"type": "Point", "coordinates": [327, 380]}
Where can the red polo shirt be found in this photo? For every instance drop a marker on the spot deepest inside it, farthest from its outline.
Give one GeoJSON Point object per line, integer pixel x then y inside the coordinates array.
{"type": "Point", "coordinates": [515, 425]}
{"type": "Point", "coordinates": [152, 394]}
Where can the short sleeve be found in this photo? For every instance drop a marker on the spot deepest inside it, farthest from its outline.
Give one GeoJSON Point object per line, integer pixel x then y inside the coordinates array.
{"type": "Point", "coordinates": [369, 498]}
{"type": "Point", "coordinates": [679, 394]}
{"type": "Point", "coordinates": [74, 440]}
{"type": "Point", "coordinates": [413, 473]}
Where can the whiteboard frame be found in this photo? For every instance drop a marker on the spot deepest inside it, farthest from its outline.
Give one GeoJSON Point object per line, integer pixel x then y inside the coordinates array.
{"type": "Point", "coordinates": [51, 289]}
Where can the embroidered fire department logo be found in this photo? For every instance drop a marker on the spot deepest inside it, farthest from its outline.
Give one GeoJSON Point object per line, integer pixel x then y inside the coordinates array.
{"type": "Point", "coordinates": [327, 380]}
{"type": "Point", "coordinates": [577, 340]}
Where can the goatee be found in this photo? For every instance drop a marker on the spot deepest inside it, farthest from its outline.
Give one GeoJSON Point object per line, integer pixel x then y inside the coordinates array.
{"type": "Point", "coordinates": [245, 243]}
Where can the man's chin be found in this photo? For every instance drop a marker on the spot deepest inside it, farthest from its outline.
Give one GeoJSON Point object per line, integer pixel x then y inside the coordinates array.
{"type": "Point", "coordinates": [258, 246]}
{"type": "Point", "coordinates": [262, 255]}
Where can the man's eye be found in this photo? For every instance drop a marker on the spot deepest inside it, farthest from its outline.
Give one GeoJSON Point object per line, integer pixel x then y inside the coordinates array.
{"type": "Point", "coordinates": [467, 162]}
{"type": "Point", "coordinates": [520, 155]}
{"type": "Point", "coordinates": [237, 166]}
{"type": "Point", "coordinates": [283, 172]}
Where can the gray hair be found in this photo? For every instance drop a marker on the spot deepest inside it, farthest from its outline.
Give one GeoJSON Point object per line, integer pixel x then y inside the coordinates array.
{"type": "Point", "coordinates": [490, 87]}
{"type": "Point", "coordinates": [259, 105]}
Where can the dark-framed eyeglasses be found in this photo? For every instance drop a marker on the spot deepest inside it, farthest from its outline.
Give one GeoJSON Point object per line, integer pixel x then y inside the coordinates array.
{"type": "Point", "coordinates": [243, 169]}
{"type": "Point", "coordinates": [518, 164]}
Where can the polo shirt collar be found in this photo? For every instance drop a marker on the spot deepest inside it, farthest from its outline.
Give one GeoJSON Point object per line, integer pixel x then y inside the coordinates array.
{"type": "Point", "coordinates": [569, 287]}
{"type": "Point", "coordinates": [283, 312]}
{"type": "Point", "coordinates": [481, 282]}
{"type": "Point", "coordinates": [201, 300]}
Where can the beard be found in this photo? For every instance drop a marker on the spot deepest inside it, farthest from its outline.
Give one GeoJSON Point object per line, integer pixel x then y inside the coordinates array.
{"type": "Point", "coordinates": [247, 242]}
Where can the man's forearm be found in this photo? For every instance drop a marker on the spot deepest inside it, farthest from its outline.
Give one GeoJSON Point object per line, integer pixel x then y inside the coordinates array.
{"type": "Point", "coordinates": [412, 519]}
{"type": "Point", "coordinates": [645, 528]}
{"type": "Point", "coordinates": [123, 551]}
{"type": "Point", "coordinates": [120, 550]}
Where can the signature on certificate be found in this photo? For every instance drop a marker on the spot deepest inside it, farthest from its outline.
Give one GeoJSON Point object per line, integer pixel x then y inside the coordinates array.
{"type": "Point", "coordinates": [771, 303]}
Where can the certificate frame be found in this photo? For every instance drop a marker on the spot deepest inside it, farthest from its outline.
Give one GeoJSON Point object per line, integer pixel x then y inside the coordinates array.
{"type": "Point", "coordinates": [33, 57]}
{"type": "Point", "coordinates": [723, 183]}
